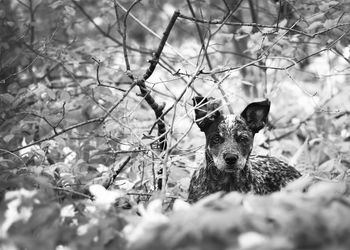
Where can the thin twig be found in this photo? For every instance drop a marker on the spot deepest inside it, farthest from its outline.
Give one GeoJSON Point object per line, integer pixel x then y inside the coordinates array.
{"type": "Point", "coordinates": [201, 37]}
{"type": "Point", "coordinates": [149, 195]}
{"type": "Point", "coordinates": [117, 18]}
{"type": "Point", "coordinates": [189, 83]}
{"type": "Point", "coordinates": [98, 77]}
{"type": "Point", "coordinates": [16, 156]}
{"type": "Point", "coordinates": [275, 27]}
{"type": "Point", "coordinates": [127, 64]}
{"type": "Point", "coordinates": [158, 109]}
{"type": "Point", "coordinates": [32, 22]}
{"type": "Point", "coordinates": [205, 51]}
{"type": "Point", "coordinates": [97, 70]}
{"type": "Point", "coordinates": [329, 47]}
{"type": "Point", "coordinates": [253, 15]}
{"type": "Point", "coordinates": [103, 32]}
{"type": "Point", "coordinates": [118, 171]}
{"type": "Point", "coordinates": [73, 192]}
{"type": "Point", "coordinates": [95, 120]}
{"type": "Point", "coordinates": [154, 34]}
{"type": "Point", "coordinates": [225, 20]}
{"type": "Point", "coordinates": [279, 38]}
{"type": "Point", "coordinates": [304, 121]}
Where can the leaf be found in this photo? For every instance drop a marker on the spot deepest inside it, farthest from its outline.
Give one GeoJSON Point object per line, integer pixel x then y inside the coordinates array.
{"type": "Point", "coordinates": [104, 198]}
{"type": "Point", "coordinates": [327, 166]}
{"type": "Point", "coordinates": [283, 23]}
{"type": "Point", "coordinates": [181, 205]}
{"type": "Point", "coordinates": [185, 182]}
{"type": "Point", "coordinates": [56, 4]}
{"type": "Point", "coordinates": [247, 29]}
{"type": "Point", "coordinates": [51, 94]}
{"type": "Point", "coordinates": [300, 184]}
{"type": "Point", "coordinates": [329, 23]}
{"type": "Point", "coordinates": [15, 211]}
{"type": "Point", "coordinates": [104, 94]}
{"type": "Point", "coordinates": [277, 48]}
{"type": "Point", "coordinates": [66, 180]}
{"type": "Point", "coordinates": [50, 143]}
{"type": "Point", "coordinates": [28, 150]}
{"type": "Point", "coordinates": [302, 157]}
{"type": "Point", "coordinates": [247, 83]}
{"type": "Point", "coordinates": [327, 189]}
{"type": "Point", "coordinates": [69, 10]}
{"type": "Point", "coordinates": [86, 83]}
{"type": "Point", "coordinates": [40, 152]}
{"type": "Point", "coordinates": [315, 25]}
{"type": "Point", "coordinates": [67, 211]}
{"type": "Point", "coordinates": [151, 219]}
{"type": "Point", "coordinates": [252, 240]}
{"type": "Point", "coordinates": [8, 137]}
{"type": "Point", "coordinates": [65, 96]}
{"type": "Point", "coordinates": [43, 216]}
{"type": "Point", "coordinates": [6, 98]}
{"type": "Point", "coordinates": [324, 6]}
{"type": "Point", "coordinates": [333, 3]}
{"type": "Point", "coordinates": [316, 17]}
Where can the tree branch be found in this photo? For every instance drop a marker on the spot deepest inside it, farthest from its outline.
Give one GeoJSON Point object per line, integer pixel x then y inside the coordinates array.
{"type": "Point", "coordinates": [127, 64]}
{"type": "Point", "coordinates": [58, 133]}
{"type": "Point", "coordinates": [158, 109]}
{"type": "Point", "coordinates": [276, 27]}
{"type": "Point", "coordinates": [104, 33]}
{"type": "Point", "coordinates": [154, 34]}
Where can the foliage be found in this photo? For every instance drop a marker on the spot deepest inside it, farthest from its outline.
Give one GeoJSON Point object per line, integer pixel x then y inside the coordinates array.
{"type": "Point", "coordinates": [286, 220]}
{"type": "Point", "coordinates": [95, 100]}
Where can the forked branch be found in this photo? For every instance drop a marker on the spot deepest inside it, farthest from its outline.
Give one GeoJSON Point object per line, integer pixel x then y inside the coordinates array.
{"type": "Point", "coordinates": [141, 83]}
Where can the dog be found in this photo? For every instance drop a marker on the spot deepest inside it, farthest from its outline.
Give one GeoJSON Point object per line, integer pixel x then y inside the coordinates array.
{"type": "Point", "coordinates": [228, 165]}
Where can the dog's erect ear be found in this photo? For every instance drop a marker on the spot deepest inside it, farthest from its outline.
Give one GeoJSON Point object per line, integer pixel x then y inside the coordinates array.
{"type": "Point", "coordinates": [206, 111]}
{"type": "Point", "coordinates": [255, 114]}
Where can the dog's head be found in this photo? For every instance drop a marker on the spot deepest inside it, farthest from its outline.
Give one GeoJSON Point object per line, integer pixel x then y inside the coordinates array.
{"type": "Point", "coordinates": [229, 139]}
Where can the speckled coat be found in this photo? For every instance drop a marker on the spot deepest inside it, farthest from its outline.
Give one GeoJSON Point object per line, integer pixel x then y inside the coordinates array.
{"type": "Point", "coordinates": [228, 164]}
{"type": "Point", "coordinates": [261, 175]}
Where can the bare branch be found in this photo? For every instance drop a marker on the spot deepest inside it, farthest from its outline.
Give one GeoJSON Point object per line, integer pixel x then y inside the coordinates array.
{"type": "Point", "coordinates": [98, 77]}
{"type": "Point", "coordinates": [201, 37]}
{"type": "Point", "coordinates": [97, 71]}
{"type": "Point", "coordinates": [104, 33]}
{"type": "Point", "coordinates": [300, 123]}
{"type": "Point", "coordinates": [275, 27]}
{"type": "Point", "coordinates": [154, 34]}
{"type": "Point", "coordinates": [158, 109]}
{"type": "Point", "coordinates": [253, 14]}
{"type": "Point", "coordinates": [90, 197]}
{"type": "Point", "coordinates": [127, 64]}
{"type": "Point", "coordinates": [16, 156]}
{"type": "Point", "coordinates": [154, 60]}
{"type": "Point", "coordinates": [197, 72]}
{"type": "Point", "coordinates": [226, 18]}
{"type": "Point", "coordinates": [118, 171]}
{"type": "Point", "coordinates": [96, 120]}
{"type": "Point", "coordinates": [329, 47]}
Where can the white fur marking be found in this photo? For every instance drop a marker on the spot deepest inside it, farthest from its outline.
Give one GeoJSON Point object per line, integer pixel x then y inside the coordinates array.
{"type": "Point", "coordinates": [230, 120]}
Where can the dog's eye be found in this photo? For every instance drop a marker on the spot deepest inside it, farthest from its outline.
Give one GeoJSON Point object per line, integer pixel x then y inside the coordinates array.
{"type": "Point", "coordinates": [242, 138]}
{"type": "Point", "coordinates": [216, 139]}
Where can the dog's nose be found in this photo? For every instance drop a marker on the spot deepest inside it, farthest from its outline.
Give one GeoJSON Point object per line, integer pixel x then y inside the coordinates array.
{"type": "Point", "coordinates": [230, 159]}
